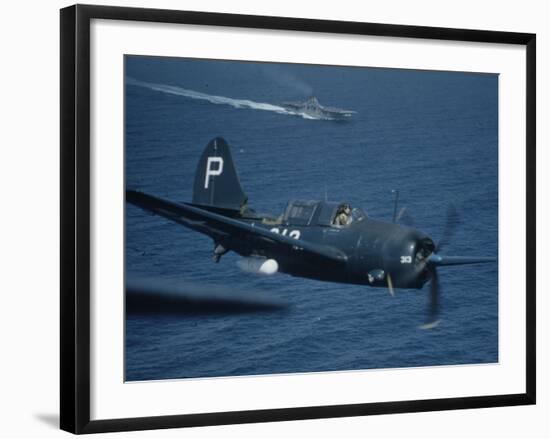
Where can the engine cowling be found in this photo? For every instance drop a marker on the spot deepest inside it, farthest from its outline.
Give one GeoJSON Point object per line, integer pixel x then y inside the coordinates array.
{"type": "Point", "coordinates": [405, 259]}
{"type": "Point", "coordinates": [389, 250]}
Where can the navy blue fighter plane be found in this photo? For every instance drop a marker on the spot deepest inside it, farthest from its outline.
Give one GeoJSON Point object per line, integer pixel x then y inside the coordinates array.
{"type": "Point", "coordinates": [321, 240]}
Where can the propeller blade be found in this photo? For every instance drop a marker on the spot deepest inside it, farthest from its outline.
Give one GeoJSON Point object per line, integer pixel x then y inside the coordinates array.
{"type": "Point", "coordinates": [433, 311]}
{"type": "Point", "coordinates": [396, 192]}
{"type": "Point", "coordinates": [430, 325]}
{"type": "Point", "coordinates": [434, 260]}
{"type": "Point", "coordinates": [434, 295]}
{"type": "Point", "coordinates": [451, 222]}
{"type": "Point", "coordinates": [404, 217]}
{"type": "Point", "coordinates": [438, 260]}
{"type": "Point", "coordinates": [390, 285]}
{"type": "Point", "coordinates": [400, 214]}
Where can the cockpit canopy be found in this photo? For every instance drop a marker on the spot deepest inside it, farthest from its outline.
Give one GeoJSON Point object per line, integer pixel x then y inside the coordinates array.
{"type": "Point", "coordinates": [320, 213]}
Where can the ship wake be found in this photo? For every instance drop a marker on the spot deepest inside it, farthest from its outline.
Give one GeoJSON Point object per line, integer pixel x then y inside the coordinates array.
{"type": "Point", "coordinates": [219, 100]}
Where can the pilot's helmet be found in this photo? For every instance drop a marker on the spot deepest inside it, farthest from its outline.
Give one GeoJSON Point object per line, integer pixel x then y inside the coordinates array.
{"type": "Point", "coordinates": [345, 208]}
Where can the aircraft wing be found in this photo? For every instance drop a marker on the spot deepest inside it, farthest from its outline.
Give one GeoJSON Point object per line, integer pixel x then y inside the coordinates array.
{"type": "Point", "coordinates": [221, 227]}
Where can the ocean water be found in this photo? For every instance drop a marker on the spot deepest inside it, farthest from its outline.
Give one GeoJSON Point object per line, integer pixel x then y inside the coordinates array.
{"type": "Point", "coordinates": [431, 135]}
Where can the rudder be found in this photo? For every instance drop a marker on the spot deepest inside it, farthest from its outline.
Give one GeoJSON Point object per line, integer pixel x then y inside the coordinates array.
{"type": "Point", "coordinates": [216, 180]}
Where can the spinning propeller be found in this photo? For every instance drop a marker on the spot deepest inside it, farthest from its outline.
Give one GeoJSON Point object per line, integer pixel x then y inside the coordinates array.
{"type": "Point", "coordinates": [451, 222]}
{"type": "Point", "coordinates": [427, 259]}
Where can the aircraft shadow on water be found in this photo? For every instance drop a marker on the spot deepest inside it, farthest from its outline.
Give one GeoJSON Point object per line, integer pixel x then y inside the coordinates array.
{"type": "Point", "coordinates": [320, 240]}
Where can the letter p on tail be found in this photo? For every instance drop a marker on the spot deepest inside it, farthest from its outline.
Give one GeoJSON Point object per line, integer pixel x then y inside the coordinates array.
{"type": "Point", "coordinates": [210, 171]}
{"type": "Point", "coordinates": [216, 180]}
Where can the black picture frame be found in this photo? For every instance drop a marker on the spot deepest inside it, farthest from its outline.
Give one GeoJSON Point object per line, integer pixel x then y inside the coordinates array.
{"type": "Point", "coordinates": [75, 217]}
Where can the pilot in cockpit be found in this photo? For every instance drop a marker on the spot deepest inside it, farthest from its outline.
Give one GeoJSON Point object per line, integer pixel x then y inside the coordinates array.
{"type": "Point", "coordinates": [343, 215]}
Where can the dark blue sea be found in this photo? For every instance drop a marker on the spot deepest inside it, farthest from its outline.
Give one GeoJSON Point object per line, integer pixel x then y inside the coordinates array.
{"type": "Point", "coordinates": [431, 135]}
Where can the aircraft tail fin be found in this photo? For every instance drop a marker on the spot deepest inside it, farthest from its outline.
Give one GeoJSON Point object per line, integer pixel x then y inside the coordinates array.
{"type": "Point", "coordinates": [216, 180]}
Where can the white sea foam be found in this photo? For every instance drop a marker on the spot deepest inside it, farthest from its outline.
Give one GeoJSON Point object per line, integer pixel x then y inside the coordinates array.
{"type": "Point", "coordinates": [218, 100]}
